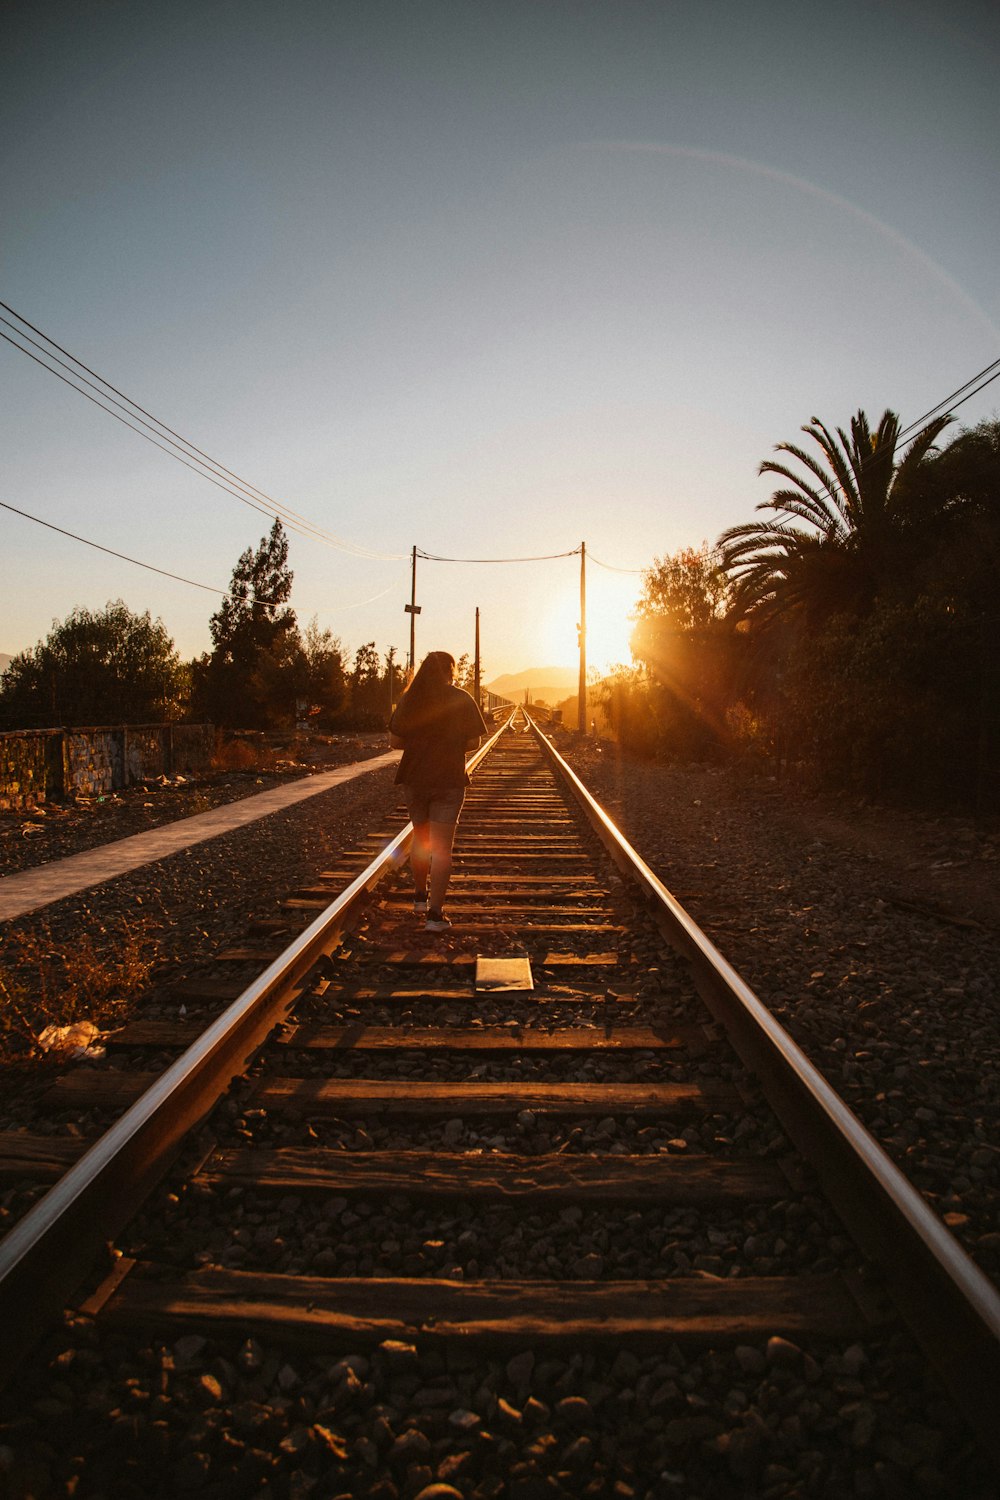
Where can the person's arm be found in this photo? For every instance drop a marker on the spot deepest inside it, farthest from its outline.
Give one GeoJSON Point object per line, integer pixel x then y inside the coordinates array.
{"type": "Point", "coordinates": [477, 725]}
{"type": "Point", "coordinates": [395, 740]}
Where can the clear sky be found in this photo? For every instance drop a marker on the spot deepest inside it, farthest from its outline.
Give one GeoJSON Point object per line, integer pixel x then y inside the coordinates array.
{"type": "Point", "coordinates": [485, 277]}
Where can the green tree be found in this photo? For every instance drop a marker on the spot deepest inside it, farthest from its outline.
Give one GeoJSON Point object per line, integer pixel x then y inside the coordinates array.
{"type": "Point", "coordinates": [325, 686]}
{"type": "Point", "coordinates": [105, 667]}
{"type": "Point", "coordinates": [872, 628]}
{"type": "Point", "coordinates": [256, 671]}
{"type": "Point", "coordinates": [861, 522]}
{"type": "Point", "coordinates": [465, 673]}
{"type": "Point", "coordinates": [685, 646]}
{"type": "Point", "coordinates": [887, 704]}
{"type": "Point", "coordinates": [369, 696]}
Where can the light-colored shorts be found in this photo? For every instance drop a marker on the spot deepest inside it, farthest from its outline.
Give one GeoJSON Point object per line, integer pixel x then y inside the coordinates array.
{"type": "Point", "coordinates": [442, 806]}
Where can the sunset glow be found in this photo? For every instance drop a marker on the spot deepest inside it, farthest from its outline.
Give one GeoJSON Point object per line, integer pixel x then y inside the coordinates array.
{"type": "Point", "coordinates": [610, 601]}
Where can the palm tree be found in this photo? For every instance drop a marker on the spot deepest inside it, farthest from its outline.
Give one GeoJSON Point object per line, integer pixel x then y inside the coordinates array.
{"type": "Point", "coordinates": [857, 507]}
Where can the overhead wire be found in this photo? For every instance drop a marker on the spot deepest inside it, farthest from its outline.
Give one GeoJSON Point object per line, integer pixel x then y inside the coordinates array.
{"type": "Point", "coordinates": [112, 553]}
{"type": "Point", "coordinates": [950, 402]}
{"type": "Point", "coordinates": [248, 493]}
{"type": "Point", "coordinates": [125, 423]}
{"type": "Point", "coordinates": [542, 557]}
{"type": "Point", "coordinates": [199, 462]}
{"type": "Point", "coordinates": [209, 588]}
{"type": "Point", "coordinates": [611, 568]}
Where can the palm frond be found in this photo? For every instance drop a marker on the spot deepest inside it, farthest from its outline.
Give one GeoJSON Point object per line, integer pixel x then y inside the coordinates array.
{"type": "Point", "coordinates": [828, 524]}
{"type": "Point", "coordinates": [826, 502]}
{"type": "Point", "coordinates": [836, 454]}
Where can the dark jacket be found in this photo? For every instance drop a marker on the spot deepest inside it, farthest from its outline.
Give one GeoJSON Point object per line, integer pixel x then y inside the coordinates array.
{"type": "Point", "coordinates": [434, 737]}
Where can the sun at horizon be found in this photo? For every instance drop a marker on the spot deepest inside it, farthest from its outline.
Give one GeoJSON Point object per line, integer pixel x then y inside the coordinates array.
{"type": "Point", "coordinates": [611, 599]}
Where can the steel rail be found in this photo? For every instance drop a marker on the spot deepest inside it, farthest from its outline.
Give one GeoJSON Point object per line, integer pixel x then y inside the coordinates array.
{"type": "Point", "coordinates": [48, 1253]}
{"type": "Point", "coordinates": [950, 1306]}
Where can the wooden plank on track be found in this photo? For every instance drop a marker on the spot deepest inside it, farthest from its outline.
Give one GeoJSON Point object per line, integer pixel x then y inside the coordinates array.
{"type": "Point", "coordinates": [416, 958]}
{"type": "Point", "coordinates": [354, 1096]}
{"type": "Point", "coordinates": [92, 1089]}
{"type": "Point", "coordinates": [552, 993]}
{"type": "Point", "coordinates": [543, 1179]}
{"type": "Point", "coordinates": [155, 1034]}
{"type": "Point", "coordinates": [492, 1038]}
{"type": "Point", "coordinates": [513, 857]}
{"type": "Point", "coordinates": [555, 882]}
{"type": "Point", "coordinates": [210, 990]}
{"type": "Point", "coordinates": [42, 1158]}
{"type": "Point", "coordinates": [342, 1312]}
{"type": "Point", "coordinates": [359, 1037]}
{"type": "Point", "coordinates": [499, 918]}
{"type": "Point", "coordinates": [464, 905]}
{"type": "Point", "coordinates": [473, 832]}
{"type": "Point", "coordinates": [116, 1089]}
{"type": "Point", "coordinates": [506, 973]}
{"type": "Point", "coordinates": [579, 960]}
{"type": "Point", "coordinates": [512, 902]}
{"type": "Point", "coordinates": [248, 955]}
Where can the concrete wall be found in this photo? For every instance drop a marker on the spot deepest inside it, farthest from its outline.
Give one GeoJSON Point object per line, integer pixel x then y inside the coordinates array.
{"type": "Point", "coordinates": [39, 765]}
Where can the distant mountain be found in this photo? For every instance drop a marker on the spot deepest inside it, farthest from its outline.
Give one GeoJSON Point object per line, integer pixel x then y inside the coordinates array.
{"type": "Point", "coordinates": [542, 684]}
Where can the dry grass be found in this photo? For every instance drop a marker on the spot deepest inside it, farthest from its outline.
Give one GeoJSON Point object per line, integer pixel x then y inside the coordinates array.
{"type": "Point", "coordinates": [42, 985]}
{"type": "Point", "coordinates": [242, 755]}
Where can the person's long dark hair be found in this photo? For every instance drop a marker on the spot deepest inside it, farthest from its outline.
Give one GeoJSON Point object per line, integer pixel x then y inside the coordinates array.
{"type": "Point", "coordinates": [429, 687]}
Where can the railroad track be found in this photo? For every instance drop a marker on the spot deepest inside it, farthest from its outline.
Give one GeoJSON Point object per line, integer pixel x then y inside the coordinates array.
{"type": "Point", "coordinates": [559, 1103]}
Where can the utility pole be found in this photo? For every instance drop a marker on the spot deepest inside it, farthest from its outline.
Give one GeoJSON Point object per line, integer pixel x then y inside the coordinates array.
{"type": "Point", "coordinates": [582, 632]}
{"type": "Point", "coordinates": [475, 670]}
{"type": "Point", "coordinates": [412, 609]}
{"type": "Point", "coordinates": [390, 658]}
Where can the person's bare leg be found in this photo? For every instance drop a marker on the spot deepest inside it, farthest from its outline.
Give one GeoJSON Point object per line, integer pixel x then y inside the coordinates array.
{"type": "Point", "coordinates": [420, 857]}
{"type": "Point", "coordinates": [442, 838]}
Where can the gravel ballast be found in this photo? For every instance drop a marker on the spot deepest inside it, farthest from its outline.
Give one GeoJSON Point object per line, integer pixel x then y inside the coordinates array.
{"type": "Point", "coordinates": [896, 1006]}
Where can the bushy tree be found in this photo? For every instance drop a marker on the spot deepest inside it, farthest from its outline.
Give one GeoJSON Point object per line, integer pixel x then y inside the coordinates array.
{"type": "Point", "coordinates": [687, 649]}
{"type": "Point", "coordinates": [104, 667]}
{"type": "Point", "coordinates": [872, 635]}
{"type": "Point", "coordinates": [465, 673]}
{"type": "Point", "coordinates": [369, 695]}
{"type": "Point", "coordinates": [257, 670]}
{"type": "Point", "coordinates": [627, 698]}
{"type": "Point", "coordinates": [325, 687]}
{"type": "Point", "coordinates": [882, 705]}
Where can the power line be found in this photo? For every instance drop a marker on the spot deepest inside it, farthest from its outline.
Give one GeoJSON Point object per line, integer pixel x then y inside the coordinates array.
{"type": "Point", "coordinates": [542, 557]}
{"type": "Point", "coordinates": [610, 567]}
{"type": "Point", "coordinates": [125, 423]}
{"type": "Point", "coordinates": [177, 577]}
{"type": "Point", "coordinates": [112, 553]}
{"type": "Point", "coordinates": [252, 495]}
{"type": "Point", "coordinates": [949, 404]}
{"type": "Point", "coordinates": [247, 499]}
{"type": "Point", "coordinates": [950, 401]}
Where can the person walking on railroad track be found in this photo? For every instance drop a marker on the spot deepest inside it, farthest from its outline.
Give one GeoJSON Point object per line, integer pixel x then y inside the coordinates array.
{"type": "Point", "coordinates": [435, 723]}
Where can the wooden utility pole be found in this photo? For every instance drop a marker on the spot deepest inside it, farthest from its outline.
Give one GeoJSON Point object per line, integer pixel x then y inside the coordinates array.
{"type": "Point", "coordinates": [412, 609]}
{"type": "Point", "coordinates": [475, 670]}
{"type": "Point", "coordinates": [582, 632]}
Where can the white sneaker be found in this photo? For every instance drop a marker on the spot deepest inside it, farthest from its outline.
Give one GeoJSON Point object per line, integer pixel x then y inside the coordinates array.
{"type": "Point", "coordinates": [436, 921]}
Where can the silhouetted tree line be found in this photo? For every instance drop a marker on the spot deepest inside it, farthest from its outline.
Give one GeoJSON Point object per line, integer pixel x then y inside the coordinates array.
{"type": "Point", "coordinates": [851, 633]}
{"type": "Point", "coordinates": [263, 672]}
